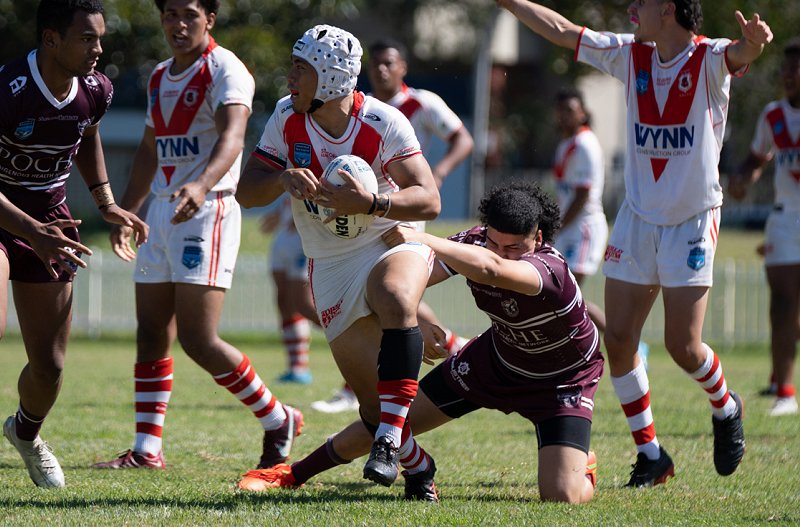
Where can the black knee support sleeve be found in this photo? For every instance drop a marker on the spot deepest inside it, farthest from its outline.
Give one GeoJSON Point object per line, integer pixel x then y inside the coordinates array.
{"type": "Point", "coordinates": [400, 356]}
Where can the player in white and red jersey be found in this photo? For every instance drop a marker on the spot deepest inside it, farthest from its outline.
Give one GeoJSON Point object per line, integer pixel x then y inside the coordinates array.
{"type": "Point", "coordinates": [580, 177]}
{"type": "Point", "coordinates": [665, 234]}
{"type": "Point", "coordinates": [366, 295]}
{"type": "Point", "coordinates": [428, 113]}
{"type": "Point", "coordinates": [189, 159]}
{"type": "Point", "coordinates": [777, 137]}
{"type": "Point", "coordinates": [539, 358]}
{"type": "Point", "coordinates": [431, 118]}
{"type": "Point", "coordinates": [51, 103]}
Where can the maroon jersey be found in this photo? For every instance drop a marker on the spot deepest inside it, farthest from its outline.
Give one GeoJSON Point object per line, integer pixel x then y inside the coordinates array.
{"type": "Point", "coordinates": [542, 335]}
{"type": "Point", "coordinates": [39, 135]}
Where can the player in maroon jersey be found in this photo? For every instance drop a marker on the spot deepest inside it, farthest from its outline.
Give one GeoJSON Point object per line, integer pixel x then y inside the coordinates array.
{"type": "Point", "coordinates": [540, 357]}
{"type": "Point", "coordinates": [51, 103]}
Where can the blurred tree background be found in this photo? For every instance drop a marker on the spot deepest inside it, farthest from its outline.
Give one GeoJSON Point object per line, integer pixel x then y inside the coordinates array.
{"type": "Point", "coordinates": [443, 37]}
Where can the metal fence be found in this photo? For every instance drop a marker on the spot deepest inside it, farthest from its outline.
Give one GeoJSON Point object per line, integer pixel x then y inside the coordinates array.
{"type": "Point", "coordinates": [104, 302]}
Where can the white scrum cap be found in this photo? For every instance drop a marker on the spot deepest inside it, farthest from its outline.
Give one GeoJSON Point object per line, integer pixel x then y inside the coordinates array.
{"type": "Point", "coordinates": [335, 54]}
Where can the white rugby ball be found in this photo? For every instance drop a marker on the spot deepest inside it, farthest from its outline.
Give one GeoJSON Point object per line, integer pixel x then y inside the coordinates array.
{"type": "Point", "coordinates": [349, 226]}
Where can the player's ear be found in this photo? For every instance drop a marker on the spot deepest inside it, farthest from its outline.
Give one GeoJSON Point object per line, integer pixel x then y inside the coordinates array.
{"type": "Point", "coordinates": [668, 9]}
{"type": "Point", "coordinates": [49, 38]}
{"type": "Point", "coordinates": [211, 18]}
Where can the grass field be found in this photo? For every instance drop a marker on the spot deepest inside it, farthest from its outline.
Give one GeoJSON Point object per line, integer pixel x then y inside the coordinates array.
{"type": "Point", "coordinates": [487, 461]}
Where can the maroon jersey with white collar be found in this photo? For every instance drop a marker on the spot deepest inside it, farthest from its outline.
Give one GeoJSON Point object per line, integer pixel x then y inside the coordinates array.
{"type": "Point", "coordinates": [542, 335]}
{"type": "Point", "coordinates": [39, 135]}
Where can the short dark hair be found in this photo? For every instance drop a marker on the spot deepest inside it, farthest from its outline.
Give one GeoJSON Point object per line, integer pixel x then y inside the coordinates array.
{"type": "Point", "coordinates": [520, 207]}
{"type": "Point", "coordinates": [210, 6]}
{"type": "Point", "coordinates": [689, 14]}
{"type": "Point", "coordinates": [389, 43]}
{"type": "Point", "coordinates": [568, 93]}
{"type": "Point", "coordinates": [792, 48]}
{"type": "Point", "coordinates": [58, 14]}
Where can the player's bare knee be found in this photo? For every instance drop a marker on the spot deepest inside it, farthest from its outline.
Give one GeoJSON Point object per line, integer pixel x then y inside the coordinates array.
{"type": "Point", "coordinates": [566, 492]}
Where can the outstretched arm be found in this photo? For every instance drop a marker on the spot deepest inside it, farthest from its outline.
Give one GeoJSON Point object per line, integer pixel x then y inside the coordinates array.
{"type": "Point", "coordinates": [544, 22]}
{"type": "Point", "coordinates": [755, 35]}
{"type": "Point", "coordinates": [473, 261]}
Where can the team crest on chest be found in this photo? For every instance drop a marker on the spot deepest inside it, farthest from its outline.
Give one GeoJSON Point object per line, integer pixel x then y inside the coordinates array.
{"type": "Point", "coordinates": [302, 155]}
{"type": "Point", "coordinates": [510, 307]}
{"type": "Point", "coordinates": [778, 127]}
{"type": "Point", "coordinates": [190, 96]}
{"type": "Point", "coordinates": [642, 80]}
{"type": "Point", "coordinates": [24, 129]}
{"type": "Point", "coordinates": [685, 82]}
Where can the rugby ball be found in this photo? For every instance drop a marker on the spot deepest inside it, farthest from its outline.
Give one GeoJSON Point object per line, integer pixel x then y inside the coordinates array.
{"type": "Point", "coordinates": [349, 226]}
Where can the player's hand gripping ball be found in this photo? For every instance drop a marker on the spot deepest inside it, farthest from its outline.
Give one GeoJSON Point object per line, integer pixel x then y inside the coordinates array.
{"type": "Point", "coordinates": [349, 226]}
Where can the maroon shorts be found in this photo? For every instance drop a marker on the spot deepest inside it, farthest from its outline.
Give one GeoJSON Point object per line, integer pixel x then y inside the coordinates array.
{"type": "Point", "coordinates": [475, 378]}
{"type": "Point", "coordinates": [25, 266]}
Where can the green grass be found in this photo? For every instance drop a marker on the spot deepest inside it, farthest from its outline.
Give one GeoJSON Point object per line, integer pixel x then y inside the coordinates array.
{"type": "Point", "coordinates": [487, 461]}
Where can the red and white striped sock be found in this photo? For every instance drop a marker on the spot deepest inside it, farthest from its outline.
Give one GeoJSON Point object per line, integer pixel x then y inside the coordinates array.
{"type": "Point", "coordinates": [395, 397]}
{"type": "Point", "coordinates": [153, 388]}
{"type": "Point", "coordinates": [296, 336]}
{"type": "Point", "coordinates": [413, 457]}
{"type": "Point", "coordinates": [711, 378]}
{"type": "Point", "coordinates": [633, 392]}
{"type": "Point", "coordinates": [246, 385]}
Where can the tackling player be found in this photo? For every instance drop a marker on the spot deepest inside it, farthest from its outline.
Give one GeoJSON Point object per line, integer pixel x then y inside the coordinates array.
{"type": "Point", "coordinates": [665, 234]}
{"type": "Point", "coordinates": [189, 159]}
{"type": "Point", "coordinates": [366, 295]}
{"type": "Point", "coordinates": [778, 136]}
{"type": "Point", "coordinates": [51, 103]}
{"type": "Point", "coordinates": [540, 357]}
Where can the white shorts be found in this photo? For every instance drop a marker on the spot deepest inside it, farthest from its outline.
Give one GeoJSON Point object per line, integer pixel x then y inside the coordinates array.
{"type": "Point", "coordinates": [783, 238]}
{"type": "Point", "coordinates": [339, 285]}
{"type": "Point", "coordinates": [200, 251]}
{"type": "Point", "coordinates": [287, 255]}
{"type": "Point", "coordinates": [668, 255]}
{"type": "Point", "coordinates": [583, 243]}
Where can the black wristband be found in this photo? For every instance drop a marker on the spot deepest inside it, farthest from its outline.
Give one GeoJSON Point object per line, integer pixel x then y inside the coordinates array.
{"type": "Point", "coordinates": [374, 203]}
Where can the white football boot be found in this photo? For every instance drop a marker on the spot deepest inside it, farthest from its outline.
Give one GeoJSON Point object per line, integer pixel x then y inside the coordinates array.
{"type": "Point", "coordinates": [783, 406]}
{"type": "Point", "coordinates": [42, 465]}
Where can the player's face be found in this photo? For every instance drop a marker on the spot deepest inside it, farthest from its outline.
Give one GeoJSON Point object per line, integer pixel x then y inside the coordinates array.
{"type": "Point", "coordinates": [570, 116]}
{"type": "Point", "coordinates": [512, 246]}
{"type": "Point", "coordinates": [647, 16]}
{"type": "Point", "coordinates": [186, 25]}
{"type": "Point", "coordinates": [386, 72]}
{"type": "Point", "coordinates": [302, 84]}
{"type": "Point", "coordinates": [790, 72]}
{"type": "Point", "coordinates": [78, 50]}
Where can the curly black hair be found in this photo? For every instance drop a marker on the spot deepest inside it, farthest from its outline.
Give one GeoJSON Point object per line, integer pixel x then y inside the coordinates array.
{"type": "Point", "coordinates": [689, 14]}
{"type": "Point", "coordinates": [520, 207]}
{"type": "Point", "coordinates": [58, 14]}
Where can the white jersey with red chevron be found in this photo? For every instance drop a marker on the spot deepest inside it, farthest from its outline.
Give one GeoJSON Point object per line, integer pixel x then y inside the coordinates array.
{"type": "Point", "coordinates": [429, 115]}
{"type": "Point", "coordinates": [377, 132]}
{"type": "Point", "coordinates": [778, 135]}
{"type": "Point", "coordinates": [579, 164]}
{"type": "Point", "coordinates": [181, 111]}
{"type": "Point", "coordinates": [676, 121]}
